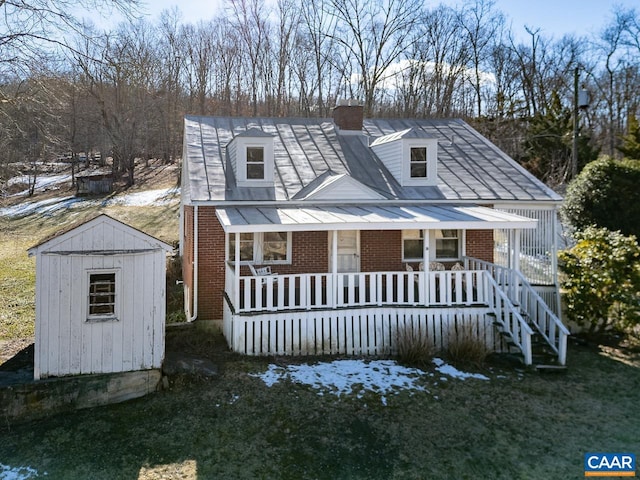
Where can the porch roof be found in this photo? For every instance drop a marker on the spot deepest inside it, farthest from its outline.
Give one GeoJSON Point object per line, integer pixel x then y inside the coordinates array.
{"type": "Point", "coordinates": [364, 217]}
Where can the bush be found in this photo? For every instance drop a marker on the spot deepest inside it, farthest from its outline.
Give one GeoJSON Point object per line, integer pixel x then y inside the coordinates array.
{"type": "Point", "coordinates": [466, 347]}
{"type": "Point", "coordinates": [601, 280]}
{"type": "Point", "coordinates": [414, 347]}
{"type": "Point", "coordinates": [605, 194]}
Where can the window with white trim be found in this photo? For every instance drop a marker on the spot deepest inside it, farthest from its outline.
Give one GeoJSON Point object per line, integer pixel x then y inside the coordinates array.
{"type": "Point", "coordinates": [419, 162]}
{"type": "Point", "coordinates": [447, 244]}
{"type": "Point", "coordinates": [262, 247]}
{"type": "Point", "coordinates": [412, 245]}
{"type": "Point", "coordinates": [418, 166]}
{"type": "Point", "coordinates": [246, 247]}
{"type": "Point", "coordinates": [255, 163]}
{"type": "Point", "coordinates": [102, 296]}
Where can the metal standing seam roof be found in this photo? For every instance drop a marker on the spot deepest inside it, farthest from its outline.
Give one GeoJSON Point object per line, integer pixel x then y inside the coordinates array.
{"type": "Point", "coordinates": [279, 219]}
{"type": "Point", "coordinates": [470, 168]}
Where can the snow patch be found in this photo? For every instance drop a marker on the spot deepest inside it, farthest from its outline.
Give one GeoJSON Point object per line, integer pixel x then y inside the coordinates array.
{"type": "Point", "coordinates": [446, 369]}
{"type": "Point", "coordinates": [161, 196]}
{"type": "Point", "coordinates": [17, 473]}
{"type": "Point", "coordinates": [50, 206]}
{"type": "Point", "coordinates": [357, 376]}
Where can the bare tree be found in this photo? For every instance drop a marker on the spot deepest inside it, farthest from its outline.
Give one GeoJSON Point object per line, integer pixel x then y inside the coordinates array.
{"type": "Point", "coordinates": [482, 25]}
{"type": "Point", "coordinates": [373, 34]}
{"type": "Point", "coordinates": [28, 28]}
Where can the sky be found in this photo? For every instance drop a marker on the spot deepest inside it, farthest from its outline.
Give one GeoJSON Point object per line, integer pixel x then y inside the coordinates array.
{"type": "Point", "coordinates": [553, 17]}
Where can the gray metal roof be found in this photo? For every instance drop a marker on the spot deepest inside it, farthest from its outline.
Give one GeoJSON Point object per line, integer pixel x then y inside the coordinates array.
{"type": "Point", "coordinates": [470, 168]}
{"type": "Point", "coordinates": [370, 217]}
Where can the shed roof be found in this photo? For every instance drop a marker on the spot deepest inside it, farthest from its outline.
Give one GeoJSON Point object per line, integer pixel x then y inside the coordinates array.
{"type": "Point", "coordinates": [128, 239]}
{"type": "Point", "coordinates": [470, 167]}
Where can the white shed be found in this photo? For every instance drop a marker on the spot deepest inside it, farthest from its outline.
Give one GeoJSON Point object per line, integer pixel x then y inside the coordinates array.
{"type": "Point", "coordinates": [100, 300]}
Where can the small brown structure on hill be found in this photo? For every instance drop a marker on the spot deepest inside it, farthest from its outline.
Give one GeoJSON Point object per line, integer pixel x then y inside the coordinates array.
{"type": "Point", "coordinates": [94, 182]}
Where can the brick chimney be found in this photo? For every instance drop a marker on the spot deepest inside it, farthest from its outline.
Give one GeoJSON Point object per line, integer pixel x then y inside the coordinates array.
{"type": "Point", "coordinates": [348, 116]}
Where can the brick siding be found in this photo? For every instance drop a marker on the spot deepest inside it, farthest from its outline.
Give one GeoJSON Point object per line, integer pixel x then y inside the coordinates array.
{"type": "Point", "coordinates": [479, 244]}
{"type": "Point", "coordinates": [380, 250]}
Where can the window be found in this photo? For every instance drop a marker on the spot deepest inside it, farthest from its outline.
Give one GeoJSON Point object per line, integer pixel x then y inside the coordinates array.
{"type": "Point", "coordinates": [260, 248]}
{"type": "Point", "coordinates": [447, 244]}
{"type": "Point", "coordinates": [246, 247]}
{"type": "Point", "coordinates": [412, 245]}
{"type": "Point", "coordinates": [274, 247]}
{"type": "Point", "coordinates": [418, 162]}
{"type": "Point", "coordinates": [102, 295]}
{"type": "Point", "coordinates": [255, 163]}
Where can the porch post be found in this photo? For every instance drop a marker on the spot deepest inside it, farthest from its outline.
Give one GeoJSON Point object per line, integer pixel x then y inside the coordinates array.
{"type": "Point", "coordinates": [334, 266]}
{"type": "Point", "coordinates": [236, 272]}
{"type": "Point", "coordinates": [516, 250]}
{"type": "Point", "coordinates": [516, 263]}
{"type": "Point", "coordinates": [425, 266]}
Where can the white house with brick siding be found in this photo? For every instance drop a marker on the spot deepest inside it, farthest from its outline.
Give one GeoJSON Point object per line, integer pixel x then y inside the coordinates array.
{"type": "Point", "coordinates": [326, 236]}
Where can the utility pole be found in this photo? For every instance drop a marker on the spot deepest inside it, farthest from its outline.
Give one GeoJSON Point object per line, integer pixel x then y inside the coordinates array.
{"type": "Point", "coordinates": [574, 152]}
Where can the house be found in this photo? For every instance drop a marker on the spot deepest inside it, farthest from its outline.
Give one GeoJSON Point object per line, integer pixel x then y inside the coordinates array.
{"type": "Point", "coordinates": [100, 300]}
{"type": "Point", "coordinates": [314, 236]}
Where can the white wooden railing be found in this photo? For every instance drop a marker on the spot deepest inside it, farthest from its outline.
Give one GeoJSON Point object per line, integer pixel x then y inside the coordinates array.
{"type": "Point", "coordinates": [327, 290]}
{"type": "Point", "coordinates": [509, 318]}
{"type": "Point", "coordinates": [529, 302]}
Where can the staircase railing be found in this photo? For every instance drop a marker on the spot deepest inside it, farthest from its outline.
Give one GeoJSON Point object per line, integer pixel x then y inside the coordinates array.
{"type": "Point", "coordinates": [530, 303]}
{"type": "Point", "coordinates": [509, 318]}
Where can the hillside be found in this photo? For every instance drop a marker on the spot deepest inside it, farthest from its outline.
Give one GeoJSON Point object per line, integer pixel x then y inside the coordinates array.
{"type": "Point", "coordinates": [151, 205]}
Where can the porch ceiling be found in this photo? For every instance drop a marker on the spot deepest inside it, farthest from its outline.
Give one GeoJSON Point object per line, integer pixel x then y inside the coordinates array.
{"type": "Point", "coordinates": [406, 217]}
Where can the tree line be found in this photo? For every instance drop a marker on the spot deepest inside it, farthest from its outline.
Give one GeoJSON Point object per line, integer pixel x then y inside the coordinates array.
{"type": "Point", "coordinates": [67, 86]}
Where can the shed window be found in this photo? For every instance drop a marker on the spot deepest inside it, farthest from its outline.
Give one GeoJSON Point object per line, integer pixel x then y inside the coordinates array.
{"type": "Point", "coordinates": [102, 294]}
{"type": "Point", "coordinates": [419, 162]}
{"type": "Point", "coordinates": [255, 163]}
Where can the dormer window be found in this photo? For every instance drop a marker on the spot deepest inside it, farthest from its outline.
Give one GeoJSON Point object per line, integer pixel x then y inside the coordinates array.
{"type": "Point", "coordinates": [251, 155]}
{"type": "Point", "coordinates": [410, 155]}
{"type": "Point", "coordinates": [418, 162]}
{"type": "Point", "coordinates": [255, 163]}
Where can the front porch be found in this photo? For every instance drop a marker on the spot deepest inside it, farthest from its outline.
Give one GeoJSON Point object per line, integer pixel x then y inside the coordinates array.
{"type": "Point", "coordinates": [362, 313]}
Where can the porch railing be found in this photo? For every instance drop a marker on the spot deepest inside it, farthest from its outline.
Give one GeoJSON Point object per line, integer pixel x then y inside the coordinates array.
{"type": "Point", "coordinates": [328, 290]}
{"type": "Point", "coordinates": [509, 318]}
{"type": "Point", "coordinates": [530, 304]}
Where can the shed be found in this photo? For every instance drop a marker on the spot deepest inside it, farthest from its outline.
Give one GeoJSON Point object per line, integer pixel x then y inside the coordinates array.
{"type": "Point", "coordinates": [100, 300]}
{"type": "Point", "coordinates": [94, 182]}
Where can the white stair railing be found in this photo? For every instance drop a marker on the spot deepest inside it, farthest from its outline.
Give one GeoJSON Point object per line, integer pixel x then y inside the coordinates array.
{"type": "Point", "coordinates": [509, 318]}
{"type": "Point", "coordinates": [524, 296]}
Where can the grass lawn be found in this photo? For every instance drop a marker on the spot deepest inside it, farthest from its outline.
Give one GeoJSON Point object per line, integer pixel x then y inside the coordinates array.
{"type": "Point", "coordinates": [516, 425]}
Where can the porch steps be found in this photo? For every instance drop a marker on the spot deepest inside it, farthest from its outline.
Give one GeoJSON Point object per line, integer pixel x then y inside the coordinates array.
{"type": "Point", "coordinates": [544, 359]}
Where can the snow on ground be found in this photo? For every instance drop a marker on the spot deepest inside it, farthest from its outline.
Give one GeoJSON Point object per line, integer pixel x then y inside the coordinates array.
{"type": "Point", "coordinates": [51, 205]}
{"type": "Point", "coordinates": [357, 376]}
{"type": "Point", "coordinates": [454, 372]}
{"type": "Point", "coordinates": [43, 183]}
{"type": "Point", "coordinates": [161, 196]}
{"type": "Point", "coordinates": [17, 473]}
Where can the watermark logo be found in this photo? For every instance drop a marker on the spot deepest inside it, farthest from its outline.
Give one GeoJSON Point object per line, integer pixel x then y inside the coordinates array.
{"type": "Point", "coordinates": [609, 465]}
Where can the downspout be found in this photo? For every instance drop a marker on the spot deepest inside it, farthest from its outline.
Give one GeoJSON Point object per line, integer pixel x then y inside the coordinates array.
{"type": "Point", "coordinates": [195, 266]}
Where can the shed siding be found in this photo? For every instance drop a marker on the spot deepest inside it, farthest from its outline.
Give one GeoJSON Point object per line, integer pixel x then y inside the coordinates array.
{"type": "Point", "coordinates": [66, 342]}
{"type": "Point", "coordinates": [71, 345]}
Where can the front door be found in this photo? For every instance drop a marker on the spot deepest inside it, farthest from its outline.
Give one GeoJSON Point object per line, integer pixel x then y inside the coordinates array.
{"type": "Point", "coordinates": [348, 251]}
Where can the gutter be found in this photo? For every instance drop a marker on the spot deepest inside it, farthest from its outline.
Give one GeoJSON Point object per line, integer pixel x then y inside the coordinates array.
{"type": "Point", "coordinates": [192, 317]}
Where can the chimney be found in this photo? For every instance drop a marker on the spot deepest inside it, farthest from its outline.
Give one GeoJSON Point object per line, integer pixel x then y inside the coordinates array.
{"type": "Point", "coordinates": [348, 116]}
